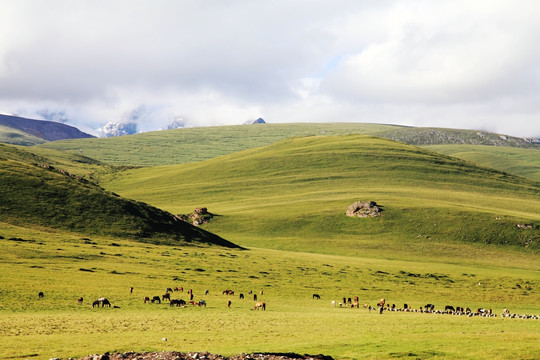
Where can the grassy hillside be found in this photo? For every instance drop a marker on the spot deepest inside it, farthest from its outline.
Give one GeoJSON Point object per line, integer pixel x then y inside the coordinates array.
{"type": "Point", "coordinates": [293, 195]}
{"type": "Point", "coordinates": [523, 162]}
{"type": "Point", "coordinates": [36, 194]}
{"type": "Point", "coordinates": [197, 144]}
{"type": "Point", "coordinates": [13, 136]}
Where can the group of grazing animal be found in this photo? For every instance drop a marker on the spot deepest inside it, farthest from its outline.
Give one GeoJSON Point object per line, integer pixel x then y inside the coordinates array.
{"type": "Point", "coordinates": [347, 302]}
{"type": "Point", "coordinates": [506, 313]}
{"type": "Point", "coordinates": [449, 310]}
{"type": "Point", "coordinates": [176, 302]}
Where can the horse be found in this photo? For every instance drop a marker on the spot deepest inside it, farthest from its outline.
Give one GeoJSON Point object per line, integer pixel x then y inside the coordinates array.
{"type": "Point", "coordinates": [166, 296]}
{"type": "Point", "coordinates": [40, 294]}
{"type": "Point", "coordinates": [168, 290]}
{"type": "Point", "coordinates": [317, 296]}
{"type": "Point", "coordinates": [105, 302]}
{"type": "Point", "coordinates": [229, 304]}
{"type": "Point", "coordinates": [156, 299]}
{"type": "Point", "coordinates": [228, 292]}
{"type": "Point", "coordinates": [260, 305]}
{"type": "Point", "coordinates": [80, 300]}
{"type": "Point", "coordinates": [449, 308]}
{"type": "Point", "coordinates": [177, 302]}
{"type": "Point", "coordinates": [95, 303]}
{"type": "Point", "coordinates": [146, 299]}
{"type": "Point", "coordinates": [241, 296]}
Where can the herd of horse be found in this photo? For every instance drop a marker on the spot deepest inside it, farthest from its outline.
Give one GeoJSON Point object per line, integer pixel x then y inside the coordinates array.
{"type": "Point", "coordinates": [346, 302]}
{"type": "Point", "coordinates": [104, 302]}
{"type": "Point", "coordinates": [428, 308]}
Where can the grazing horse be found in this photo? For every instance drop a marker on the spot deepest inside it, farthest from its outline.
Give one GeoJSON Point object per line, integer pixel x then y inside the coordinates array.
{"type": "Point", "coordinates": [156, 299]}
{"type": "Point", "coordinates": [449, 308]}
{"type": "Point", "coordinates": [80, 300]}
{"type": "Point", "coordinates": [228, 292]}
{"type": "Point", "coordinates": [168, 290]}
{"type": "Point", "coordinates": [241, 296]}
{"type": "Point", "coordinates": [166, 296]}
{"type": "Point", "coordinates": [177, 302]}
{"type": "Point", "coordinates": [95, 303]}
{"type": "Point", "coordinates": [229, 304]}
{"type": "Point", "coordinates": [146, 299]}
{"type": "Point", "coordinates": [260, 305]}
{"type": "Point", "coordinates": [317, 296]}
{"type": "Point", "coordinates": [105, 302]}
{"type": "Point", "coordinates": [131, 290]}
{"type": "Point", "coordinates": [40, 294]}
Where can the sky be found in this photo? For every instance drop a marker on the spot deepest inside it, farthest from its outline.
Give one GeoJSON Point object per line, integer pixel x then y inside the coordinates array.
{"type": "Point", "coordinates": [458, 64]}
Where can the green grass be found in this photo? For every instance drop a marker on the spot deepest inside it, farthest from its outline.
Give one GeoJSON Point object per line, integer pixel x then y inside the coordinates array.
{"type": "Point", "coordinates": [523, 162]}
{"type": "Point", "coordinates": [448, 235]}
{"type": "Point", "coordinates": [197, 144]}
{"type": "Point", "coordinates": [13, 136]}
{"type": "Point", "coordinates": [36, 194]}
{"type": "Point", "coordinates": [56, 326]}
{"type": "Point", "coordinates": [293, 195]}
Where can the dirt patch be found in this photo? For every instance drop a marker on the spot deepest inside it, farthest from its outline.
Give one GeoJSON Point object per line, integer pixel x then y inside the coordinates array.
{"type": "Point", "coordinates": [173, 355]}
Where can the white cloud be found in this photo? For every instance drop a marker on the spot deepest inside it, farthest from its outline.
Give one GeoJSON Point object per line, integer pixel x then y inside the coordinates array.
{"type": "Point", "coordinates": [415, 62]}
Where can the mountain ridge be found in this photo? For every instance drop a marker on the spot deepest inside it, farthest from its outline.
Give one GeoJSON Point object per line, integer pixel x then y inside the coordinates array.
{"type": "Point", "coordinates": [47, 130]}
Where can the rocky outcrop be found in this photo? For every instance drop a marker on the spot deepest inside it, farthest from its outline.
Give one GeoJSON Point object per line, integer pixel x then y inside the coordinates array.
{"type": "Point", "coordinates": [198, 217]}
{"type": "Point", "coordinates": [363, 209]}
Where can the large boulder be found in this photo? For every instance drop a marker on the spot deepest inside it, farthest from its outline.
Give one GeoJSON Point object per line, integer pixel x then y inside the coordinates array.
{"type": "Point", "coordinates": [363, 209]}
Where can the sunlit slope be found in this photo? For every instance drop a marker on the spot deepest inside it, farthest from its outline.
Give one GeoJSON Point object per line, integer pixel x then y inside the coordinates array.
{"type": "Point", "coordinates": [201, 143]}
{"type": "Point", "coordinates": [523, 162]}
{"type": "Point", "coordinates": [37, 195]}
{"type": "Point", "coordinates": [293, 195]}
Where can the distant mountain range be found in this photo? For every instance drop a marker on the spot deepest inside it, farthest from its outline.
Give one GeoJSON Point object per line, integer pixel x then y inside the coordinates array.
{"type": "Point", "coordinates": [47, 130]}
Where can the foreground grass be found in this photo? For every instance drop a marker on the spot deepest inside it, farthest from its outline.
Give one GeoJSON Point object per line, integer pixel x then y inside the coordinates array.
{"type": "Point", "coordinates": [65, 266]}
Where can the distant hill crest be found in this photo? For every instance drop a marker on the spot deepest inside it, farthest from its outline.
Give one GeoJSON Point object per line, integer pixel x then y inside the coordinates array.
{"type": "Point", "coordinates": [47, 130]}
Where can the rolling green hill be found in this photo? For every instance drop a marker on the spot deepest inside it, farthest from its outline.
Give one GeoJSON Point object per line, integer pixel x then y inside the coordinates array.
{"type": "Point", "coordinates": [36, 194]}
{"type": "Point", "coordinates": [293, 195]}
{"type": "Point", "coordinates": [523, 162]}
{"type": "Point", "coordinates": [197, 144]}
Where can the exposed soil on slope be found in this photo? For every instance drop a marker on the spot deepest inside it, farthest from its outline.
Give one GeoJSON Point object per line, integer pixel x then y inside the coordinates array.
{"type": "Point", "coordinates": [173, 355]}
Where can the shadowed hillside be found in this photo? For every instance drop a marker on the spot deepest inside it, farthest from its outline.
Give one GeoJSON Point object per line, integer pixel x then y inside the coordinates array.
{"type": "Point", "coordinates": [47, 130]}
{"type": "Point", "coordinates": [37, 194]}
{"type": "Point", "coordinates": [9, 135]}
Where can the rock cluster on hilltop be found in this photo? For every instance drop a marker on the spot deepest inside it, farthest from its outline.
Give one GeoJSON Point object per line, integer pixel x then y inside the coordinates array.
{"type": "Point", "coordinates": [363, 209]}
{"type": "Point", "coordinates": [173, 355]}
{"type": "Point", "coordinates": [198, 217]}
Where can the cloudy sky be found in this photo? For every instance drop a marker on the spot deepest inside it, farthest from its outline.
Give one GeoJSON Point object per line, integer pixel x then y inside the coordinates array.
{"type": "Point", "coordinates": [461, 64]}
